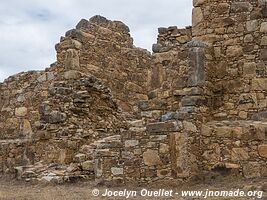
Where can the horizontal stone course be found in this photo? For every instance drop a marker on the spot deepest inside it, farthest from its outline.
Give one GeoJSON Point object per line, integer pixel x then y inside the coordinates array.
{"type": "Point", "coordinates": [109, 111]}
{"type": "Point", "coordinates": [171, 126]}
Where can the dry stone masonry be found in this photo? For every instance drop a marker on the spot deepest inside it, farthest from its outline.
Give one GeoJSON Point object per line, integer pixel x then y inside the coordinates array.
{"type": "Point", "coordinates": [111, 112]}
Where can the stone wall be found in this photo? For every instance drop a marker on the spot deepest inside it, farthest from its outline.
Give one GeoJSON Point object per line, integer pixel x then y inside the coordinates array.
{"type": "Point", "coordinates": [105, 49]}
{"type": "Point", "coordinates": [237, 32]}
{"type": "Point", "coordinates": [48, 119]}
{"type": "Point", "coordinates": [169, 72]}
{"type": "Point", "coordinates": [235, 147]}
{"type": "Point", "coordinates": [109, 111]}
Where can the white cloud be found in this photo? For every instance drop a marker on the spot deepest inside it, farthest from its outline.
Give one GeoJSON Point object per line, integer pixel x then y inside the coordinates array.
{"type": "Point", "coordinates": [29, 29]}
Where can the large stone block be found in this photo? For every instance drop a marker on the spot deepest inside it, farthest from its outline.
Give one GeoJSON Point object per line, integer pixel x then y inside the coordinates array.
{"type": "Point", "coordinates": [27, 129]}
{"type": "Point", "coordinates": [55, 117]}
{"type": "Point", "coordinates": [196, 63]}
{"type": "Point", "coordinates": [193, 101]}
{"type": "Point", "coordinates": [259, 116]}
{"type": "Point", "coordinates": [223, 131]}
{"type": "Point", "coordinates": [264, 40]}
{"type": "Point", "coordinates": [206, 130]}
{"type": "Point", "coordinates": [238, 7]}
{"type": "Point", "coordinates": [180, 158]}
{"type": "Point", "coordinates": [249, 69]}
{"type": "Point", "coordinates": [234, 51]}
{"type": "Point", "coordinates": [172, 126]}
{"type": "Point", "coordinates": [117, 171]}
{"type": "Point", "coordinates": [259, 84]}
{"type": "Point", "coordinates": [263, 54]}
{"type": "Point", "coordinates": [252, 25]}
{"type": "Point", "coordinates": [88, 165]}
{"type": "Point", "coordinates": [263, 27]}
{"type": "Point", "coordinates": [151, 158]}
{"type": "Point", "coordinates": [239, 154]}
{"type": "Point", "coordinates": [223, 8]}
{"type": "Point", "coordinates": [68, 44]}
{"type": "Point", "coordinates": [131, 143]}
{"type": "Point", "coordinates": [72, 60]}
{"type": "Point", "coordinates": [189, 126]}
{"type": "Point", "coordinates": [263, 150]}
{"type": "Point", "coordinates": [198, 2]}
{"type": "Point", "coordinates": [72, 74]}
{"type": "Point", "coordinates": [197, 16]}
{"type": "Point", "coordinates": [21, 111]}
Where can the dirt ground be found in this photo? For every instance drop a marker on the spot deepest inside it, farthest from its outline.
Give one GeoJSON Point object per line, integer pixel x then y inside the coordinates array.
{"type": "Point", "coordinates": [19, 190]}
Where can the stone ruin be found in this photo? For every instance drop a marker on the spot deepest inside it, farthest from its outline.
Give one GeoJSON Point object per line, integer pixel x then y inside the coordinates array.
{"type": "Point", "coordinates": [108, 111]}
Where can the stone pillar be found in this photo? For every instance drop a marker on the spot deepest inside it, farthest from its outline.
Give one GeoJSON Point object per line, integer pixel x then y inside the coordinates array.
{"type": "Point", "coordinates": [195, 86]}
{"type": "Point", "coordinates": [196, 63]}
{"type": "Point", "coordinates": [193, 112]}
{"type": "Point", "coordinates": [68, 55]}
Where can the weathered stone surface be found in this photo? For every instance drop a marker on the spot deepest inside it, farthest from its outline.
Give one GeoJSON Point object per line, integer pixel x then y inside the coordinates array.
{"type": "Point", "coordinates": [116, 171]}
{"type": "Point", "coordinates": [72, 61]}
{"type": "Point", "coordinates": [55, 117]}
{"type": "Point", "coordinates": [171, 126]}
{"type": "Point", "coordinates": [259, 84]}
{"type": "Point", "coordinates": [234, 51]}
{"type": "Point", "coordinates": [206, 130]}
{"type": "Point", "coordinates": [249, 69]}
{"type": "Point", "coordinates": [252, 170]}
{"type": "Point", "coordinates": [164, 148]}
{"type": "Point", "coordinates": [263, 54]}
{"type": "Point", "coordinates": [223, 132]}
{"type": "Point", "coordinates": [196, 63]}
{"type": "Point", "coordinates": [27, 129]}
{"type": "Point", "coordinates": [80, 158]}
{"type": "Point", "coordinates": [69, 44]}
{"type": "Point", "coordinates": [21, 111]}
{"type": "Point", "coordinates": [151, 158]}
{"type": "Point", "coordinates": [193, 101]}
{"type": "Point", "coordinates": [42, 78]}
{"type": "Point", "coordinates": [197, 16]}
{"type": "Point", "coordinates": [189, 126]}
{"type": "Point", "coordinates": [223, 8]}
{"type": "Point", "coordinates": [88, 166]}
{"type": "Point", "coordinates": [252, 25]}
{"type": "Point", "coordinates": [179, 154]}
{"type": "Point", "coordinates": [239, 154]}
{"type": "Point", "coordinates": [263, 150]}
{"type": "Point", "coordinates": [237, 7]}
{"type": "Point", "coordinates": [263, 27]}
{"type": "Point", "coordinates": [213, 70]}
{"type": "Point", "coordinates": [264, 40]}
{"type": "Point", "coordinates": [260, 116]}
{"type": "Point", "coordinates": [72, 74]}
{"type": "Point", "coordinates": [131, 143]}
{"type": "Point", "coordinates": [198, 2]}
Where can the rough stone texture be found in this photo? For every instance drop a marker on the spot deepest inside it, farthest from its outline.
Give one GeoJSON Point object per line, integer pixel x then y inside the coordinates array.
{"type": "Point", "coordinates": [151, 158]}
{"type": "Point", "coordinates": [244, 146]}
{"type": "Point", "coordinates": [109, 111]}
{"type": "Point", "coordinates": [263, 151]}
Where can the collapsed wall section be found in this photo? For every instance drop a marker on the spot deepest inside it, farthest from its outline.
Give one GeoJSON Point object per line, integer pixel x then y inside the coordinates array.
{"type": "Point", "coordinates": [47, 121]}
{"type": "Point", "coordinates": [105, 49]}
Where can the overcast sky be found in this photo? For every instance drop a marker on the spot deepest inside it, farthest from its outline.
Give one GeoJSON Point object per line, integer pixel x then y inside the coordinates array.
{"type": "Point", "coordinates": [29, 29]}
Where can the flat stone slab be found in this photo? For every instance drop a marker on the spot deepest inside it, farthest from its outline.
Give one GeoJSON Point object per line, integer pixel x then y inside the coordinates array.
{"type": "Point", "coordinates": [169, 126]}
{"type": "Point", "coordinates": [240, 129]}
